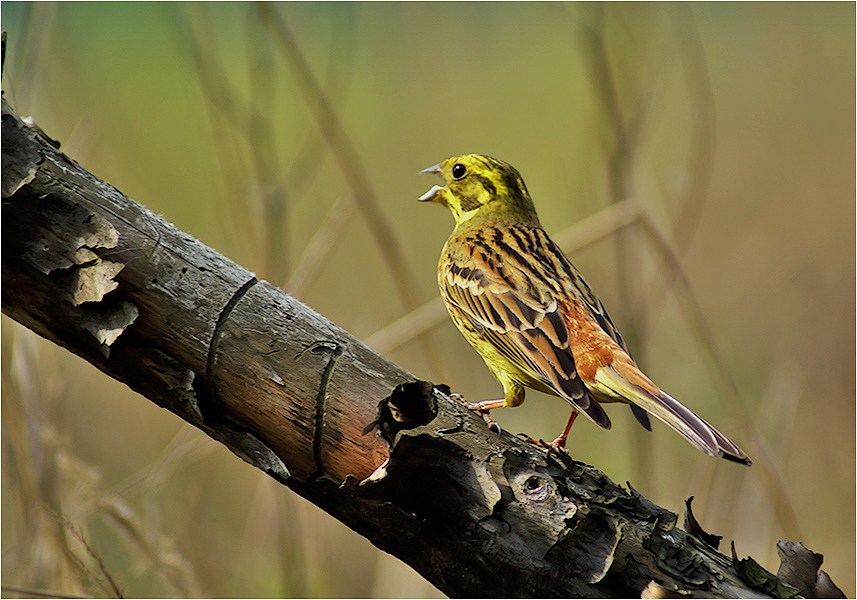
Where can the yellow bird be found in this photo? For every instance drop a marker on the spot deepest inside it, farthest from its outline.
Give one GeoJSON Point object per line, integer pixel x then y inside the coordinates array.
{"type": "Point", "coordinates": [532, 317]}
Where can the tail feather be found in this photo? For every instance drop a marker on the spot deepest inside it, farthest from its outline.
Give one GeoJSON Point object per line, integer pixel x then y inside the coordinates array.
{"type": "Point", "coordinates": [697, 430]}
{"type": "Point", "coordinates": [642, 417]}
{"type": "Point", "coordinates": [674, 414]}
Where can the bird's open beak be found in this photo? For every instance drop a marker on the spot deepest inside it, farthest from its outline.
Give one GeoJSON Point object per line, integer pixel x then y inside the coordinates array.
{"type": "Point", "coordinates": [429, 195]}
{"type": "Point", "coordinates": [434, 169]}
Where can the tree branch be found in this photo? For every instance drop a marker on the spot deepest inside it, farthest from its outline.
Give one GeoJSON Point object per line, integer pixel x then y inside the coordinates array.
{"type": "Point", "coordinates": [475, 513]}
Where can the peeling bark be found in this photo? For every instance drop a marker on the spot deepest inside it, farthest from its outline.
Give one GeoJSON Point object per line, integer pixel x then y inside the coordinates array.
{"type": "Point", "coordinates": [476, 513]}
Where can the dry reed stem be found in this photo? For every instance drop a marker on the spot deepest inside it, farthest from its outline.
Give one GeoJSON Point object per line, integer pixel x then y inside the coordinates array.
{"type": "Point", "coordinates": [319, 247]}
{"type": "Point", "coordinates": [42, 558]}
{"type": "Point", "coordinates": [224, 110]}
{"type": "Point", "coordinates": [624, 130]}
{"type": "Point", "coordinates": [34, 593]}
{"type": "Point", "coordinates": [348, 159]}
{"type": "Point", "coordinates": [700, 159]}
{"type": "Point", "coordinates": [270, 185]}
{"type": "Point", "coordinates": [106, 581]}
{"type": "Point", "coordinates": [777, 491]}
{"type": "Point", "coordinates": [52, 488]}
{"type": "Point", "coordinates": [312, 153]}
{"type": "Point", "coordinates": [168, 564]}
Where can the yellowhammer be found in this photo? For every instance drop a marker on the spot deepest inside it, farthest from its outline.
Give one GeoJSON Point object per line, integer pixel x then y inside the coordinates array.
{"type": "Point", "coordinates": [531, 316]}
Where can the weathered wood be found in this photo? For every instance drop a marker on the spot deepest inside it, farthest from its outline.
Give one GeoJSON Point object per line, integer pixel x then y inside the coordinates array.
{"type": "Point", "coordinates": [477, 514]}
{"type": "Point", "coordinates": [148, 304]}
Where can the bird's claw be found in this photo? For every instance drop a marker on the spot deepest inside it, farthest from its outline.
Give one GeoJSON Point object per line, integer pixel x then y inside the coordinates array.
{"type": "Point", "coordinates": [486, 416]}
{"type": "Point", "coordinates": [553, 447]}
{"type": "Point", "coordinates": [558, 453]}
{"type": "Point", "coordinates": [492, 424]}
{"type": "Point", "coordinates": [476, 407]}
{"type": "Point", "coordinates": [459, 398]}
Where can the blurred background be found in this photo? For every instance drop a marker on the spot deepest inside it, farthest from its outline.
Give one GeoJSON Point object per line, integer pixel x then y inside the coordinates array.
{"type": "Point", "coordinates": [289, 136]}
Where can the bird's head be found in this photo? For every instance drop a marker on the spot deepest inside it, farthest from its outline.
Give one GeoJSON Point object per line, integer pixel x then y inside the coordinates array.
{"type": "Point", "coordinates": [480, 187]}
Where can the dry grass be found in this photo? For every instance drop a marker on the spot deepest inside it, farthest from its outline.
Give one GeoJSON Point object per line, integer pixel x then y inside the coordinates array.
{"type": "Point", "coordinates": [696, 162]}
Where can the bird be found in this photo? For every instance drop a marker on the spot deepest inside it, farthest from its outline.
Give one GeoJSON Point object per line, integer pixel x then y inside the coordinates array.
{"type": "Point", "coordinates": [533, 318]}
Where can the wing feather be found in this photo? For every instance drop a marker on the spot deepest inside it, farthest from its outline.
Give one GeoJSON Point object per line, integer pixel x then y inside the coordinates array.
{"type": "Point", "coordinates": [595, 308]}
{"type": "Point", "coordinates": [500, 291]}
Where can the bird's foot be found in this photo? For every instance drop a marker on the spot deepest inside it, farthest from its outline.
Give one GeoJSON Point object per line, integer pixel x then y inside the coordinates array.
{"type": "Point", "coordinates": [459, 398]}
{"type": "Point", "coordinates": [555, 447]}
{"type": "Point", "coordinates": [558, 445]}
{"type": "Point", "coordinates": [482, 409]}
{"type": "Point", "coordinates": [492, 424]}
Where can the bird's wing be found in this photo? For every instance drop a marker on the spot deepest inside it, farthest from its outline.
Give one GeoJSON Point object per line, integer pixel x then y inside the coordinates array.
{"type": "Point", "coordinates": [578, 286]}
{"type": "Point", "coordinates": [581, 291]}
{"type": "Point", "coordinates": [501, 284]}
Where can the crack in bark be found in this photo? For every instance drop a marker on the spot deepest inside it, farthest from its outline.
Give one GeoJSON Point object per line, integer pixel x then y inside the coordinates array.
{"type": "Point", "coordinates": [217, 335]}
{"type": "Point", "coordinates": [334, 350]}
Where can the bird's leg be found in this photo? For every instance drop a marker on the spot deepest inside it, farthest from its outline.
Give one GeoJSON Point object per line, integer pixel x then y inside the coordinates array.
{"type": "Point", "coordinates": [486, 405]}
{"type": "Point", "coordinates": [559, 443]}
{"type": "Point", "coordinates": [482, 408]}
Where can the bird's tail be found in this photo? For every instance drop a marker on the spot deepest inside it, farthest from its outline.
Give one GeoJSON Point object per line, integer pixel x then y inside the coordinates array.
{"type": "Point", "coordinates": [675, 415]}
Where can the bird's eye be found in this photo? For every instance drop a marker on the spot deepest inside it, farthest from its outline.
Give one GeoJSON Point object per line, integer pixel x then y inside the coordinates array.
{"type": "Point", "coordinates": [458, 170]}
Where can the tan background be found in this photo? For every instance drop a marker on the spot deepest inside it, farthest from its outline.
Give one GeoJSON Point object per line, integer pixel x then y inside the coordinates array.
{"type": "Point", "coordinates": [753, 104]}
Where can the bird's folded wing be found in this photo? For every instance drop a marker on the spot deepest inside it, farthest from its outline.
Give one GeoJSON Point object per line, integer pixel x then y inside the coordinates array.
{"type": "Point", "coordinates": [517, 314]}
{"type": "Point", "coordinates": [581, 291]}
